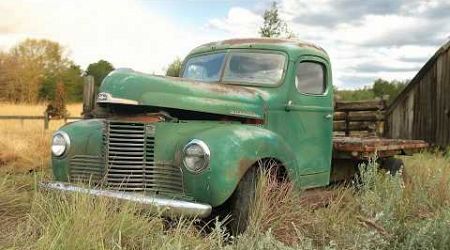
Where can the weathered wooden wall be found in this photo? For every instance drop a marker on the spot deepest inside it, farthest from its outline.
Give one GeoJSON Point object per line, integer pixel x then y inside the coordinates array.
{"type": "Point", "coordinates": [422, 110]}
{"type": "Point", "coordinates": [359, 118]}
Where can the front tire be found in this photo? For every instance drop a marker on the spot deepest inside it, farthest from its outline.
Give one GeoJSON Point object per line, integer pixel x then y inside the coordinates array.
{"type": "Point", "coordinates": [241, 202]}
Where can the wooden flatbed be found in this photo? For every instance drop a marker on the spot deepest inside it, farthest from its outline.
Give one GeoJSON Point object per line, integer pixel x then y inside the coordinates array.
{"type": "Point", "coordinates": [367, 147]}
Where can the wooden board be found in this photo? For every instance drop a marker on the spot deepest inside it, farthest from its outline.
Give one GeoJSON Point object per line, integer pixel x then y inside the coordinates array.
{"type": "Point", "coordinates": [422, 110]}
{"type": "Point", "coordinates": [347, 106]}
{"type": "Point", "coordinates": [357, 147]}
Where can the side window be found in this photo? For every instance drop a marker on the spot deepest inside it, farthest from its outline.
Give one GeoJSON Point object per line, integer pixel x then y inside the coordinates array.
{"type": "Point", "coordinates": [310, 78]}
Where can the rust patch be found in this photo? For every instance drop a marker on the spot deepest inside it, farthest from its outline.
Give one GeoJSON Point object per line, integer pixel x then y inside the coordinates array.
{"type": "Point", "coordinates": [244, 165]}
{"type": "Point", "coordinates": [141, 118]}
{"type": "Point", "coordinates": [259, 40]}
{"type": "Point", "coordinates": [217, 87]}
{"type": "Point", "coordinates": [262, 40]}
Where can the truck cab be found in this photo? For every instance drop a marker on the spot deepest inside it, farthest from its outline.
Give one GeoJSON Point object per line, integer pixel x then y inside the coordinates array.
{"type": "Point", "coordinates": [186, 144]}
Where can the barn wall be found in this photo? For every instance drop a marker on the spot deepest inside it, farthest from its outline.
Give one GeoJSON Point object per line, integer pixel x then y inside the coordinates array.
{"type": "Point", "coordinates": [400, 121]}
{"type": "Point", "coordinates": [422, 111]}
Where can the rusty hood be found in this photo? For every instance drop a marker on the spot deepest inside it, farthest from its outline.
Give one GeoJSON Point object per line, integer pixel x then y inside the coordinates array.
{"type": "Point", "coordinates": [135, 88]}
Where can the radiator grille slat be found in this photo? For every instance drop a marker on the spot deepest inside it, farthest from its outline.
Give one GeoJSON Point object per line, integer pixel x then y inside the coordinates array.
{"type": "Point", "coordinates": [130, 161]}
{"type": "Point", "coordinates": [86, 168]}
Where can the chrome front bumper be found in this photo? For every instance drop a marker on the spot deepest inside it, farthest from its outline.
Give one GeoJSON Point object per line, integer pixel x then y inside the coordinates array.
{"type": "Point", "coordinates": [168, 206]}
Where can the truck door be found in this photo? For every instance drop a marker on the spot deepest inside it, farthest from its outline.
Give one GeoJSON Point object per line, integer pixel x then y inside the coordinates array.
{"type": "Point", "coordinates": [309, 110]}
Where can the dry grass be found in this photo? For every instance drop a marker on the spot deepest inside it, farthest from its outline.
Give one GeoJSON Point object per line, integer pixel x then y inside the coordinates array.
{"type": "Point", "coordinates": [35, 109]}
{"type": "Point", "coordinates": [382, 212]}
{"type": "Point", "coordinates": [25, 146]}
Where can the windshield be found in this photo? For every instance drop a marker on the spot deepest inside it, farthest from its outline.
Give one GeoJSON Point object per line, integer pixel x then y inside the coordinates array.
{"type": "Point", "coordinates": [240, 67]}
{"type": "Point", "coordinates": [204, 68]}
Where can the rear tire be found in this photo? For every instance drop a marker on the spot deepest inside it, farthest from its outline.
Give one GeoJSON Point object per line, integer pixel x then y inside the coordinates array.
{"type": "Point", "coordinates": [393, 165]}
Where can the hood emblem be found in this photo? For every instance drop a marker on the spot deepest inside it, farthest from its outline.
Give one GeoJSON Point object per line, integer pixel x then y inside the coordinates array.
{"type": "Point", "coordinates": [104, 97]}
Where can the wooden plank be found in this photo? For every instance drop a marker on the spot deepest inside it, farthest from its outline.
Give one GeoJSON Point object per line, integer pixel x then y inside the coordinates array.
{"type": "Point", "coordinates": [439, 106]}
{"type": "Point", "coordinates": [341, 106]}
{"type": "Point", "coordinates": [32, 117]}
{"type": "Point", "coordinates": [21, 117]}
{"type": "Point", "coordinates": [354, 126]}
{"type": "Point", "coordinates": [446, 100]}
{"type": "Point", "coordinates": [360, 116]}
{"type": "Point", "coordinates": [357, 144]}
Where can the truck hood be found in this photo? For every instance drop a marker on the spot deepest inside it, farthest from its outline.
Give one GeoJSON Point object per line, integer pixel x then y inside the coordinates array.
{"type": "Point", "coordinates": [134, 88]}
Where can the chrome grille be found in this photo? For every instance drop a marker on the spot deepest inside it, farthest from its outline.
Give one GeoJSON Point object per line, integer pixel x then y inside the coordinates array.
{"type": "Point", "coordinates": [131, 161]}
{"type": "Point", "coordinates": [86, 168]}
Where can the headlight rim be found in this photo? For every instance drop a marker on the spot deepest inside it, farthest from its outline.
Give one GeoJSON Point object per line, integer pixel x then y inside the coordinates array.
{"type": "Point", "coordinates": [67, 143]}
{"type": "Point", "coordinates": [206, 155]}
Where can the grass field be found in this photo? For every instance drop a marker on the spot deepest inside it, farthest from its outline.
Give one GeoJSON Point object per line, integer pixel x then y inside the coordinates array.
{"type": "Point", "coordinates": [381, 212]}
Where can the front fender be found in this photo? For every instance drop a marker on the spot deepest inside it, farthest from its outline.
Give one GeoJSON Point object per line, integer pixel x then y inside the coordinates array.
{"type": "Point", "coordinates": [234, 149]}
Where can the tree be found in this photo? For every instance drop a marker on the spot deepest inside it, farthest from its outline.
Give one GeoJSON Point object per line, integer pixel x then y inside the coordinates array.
{"type": "Point", "coordinates": [273, 25]}
{"type": "Point", "coordinates": [56, 109]}
{"type": "Point", "coordinates": [379, 89]}
{"type": "Point", "coordinates": [174, 68]}
{"type": "Point", "coordinates": [30, 71]}
{"type": "Point", "coordinates": [8, 79]}
{"type": "Point", "coordinates": [73, 82]}
{"type": "Point", "coordinates": [362, 94]}
{"type": "Point", "coordinates": [99, 71]}
{"type": "Point", "coordinates": [29, 63]}
{"type": "Point", "coordinates": [382, 88]}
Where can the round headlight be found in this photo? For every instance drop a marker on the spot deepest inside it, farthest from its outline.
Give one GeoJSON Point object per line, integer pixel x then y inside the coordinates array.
{"type": "Point", "coordinates": [196, 156]}
{"type": "Point", "coordinates": [60, 143]}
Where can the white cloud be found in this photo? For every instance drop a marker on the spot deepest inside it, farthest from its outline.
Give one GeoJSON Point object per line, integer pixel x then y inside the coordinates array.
{"type": "Point", "coordinates": [239, 22]}
{"type": "Point", "coordinates": [389, 35]}
{"type": "Point", "coordinates": [365, 41]}
{"type": "Point", "coordinates": [121, 32]}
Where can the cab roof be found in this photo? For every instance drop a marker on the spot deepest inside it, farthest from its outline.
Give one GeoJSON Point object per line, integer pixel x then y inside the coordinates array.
{"type": "Point", "coordinates": [287, 45]}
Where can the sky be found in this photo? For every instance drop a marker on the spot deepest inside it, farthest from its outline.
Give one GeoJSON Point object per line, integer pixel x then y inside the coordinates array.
{"type": "Point", "coordinates": [366, 40]}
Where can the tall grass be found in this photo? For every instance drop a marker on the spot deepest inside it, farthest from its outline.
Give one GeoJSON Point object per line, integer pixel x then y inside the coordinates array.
{"type": "Point", "coordinates": [381, 212]}
{"type": "Point", "coordinates": [76, 221]}
{"type": "Point", "coordinates": [384, 212]}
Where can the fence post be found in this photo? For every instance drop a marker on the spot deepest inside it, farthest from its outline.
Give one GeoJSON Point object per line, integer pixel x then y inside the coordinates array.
{"type": "Point", "coordinates": [46, 120]}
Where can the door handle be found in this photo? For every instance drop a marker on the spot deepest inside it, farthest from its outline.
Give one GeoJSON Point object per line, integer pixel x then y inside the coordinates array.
{"type": "Point", "coordinates": [289, 105]}
{"type": "Point", "coordinates": [328, 116]}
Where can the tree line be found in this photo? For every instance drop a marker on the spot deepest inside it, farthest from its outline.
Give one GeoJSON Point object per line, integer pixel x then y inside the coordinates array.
{"type": "Point", "coordinates": [380, 88]}
{"type": "Point", "coordinates": [33, 70]}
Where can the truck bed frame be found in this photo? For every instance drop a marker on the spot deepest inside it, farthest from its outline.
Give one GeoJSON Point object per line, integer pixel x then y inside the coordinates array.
{"type": "Point", "coordinates": [364, 148]}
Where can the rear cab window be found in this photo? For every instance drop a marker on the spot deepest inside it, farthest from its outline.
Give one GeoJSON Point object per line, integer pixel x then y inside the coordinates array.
{"type": "Point", "coordinates": [310, 78]}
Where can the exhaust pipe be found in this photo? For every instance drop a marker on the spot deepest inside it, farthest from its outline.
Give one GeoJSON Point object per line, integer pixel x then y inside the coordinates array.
{"type": "Point", "coordinates": [88, 97]}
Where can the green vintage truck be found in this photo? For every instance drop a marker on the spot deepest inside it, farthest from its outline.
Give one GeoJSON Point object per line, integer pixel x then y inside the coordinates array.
{"type": "Point", "coordinates": [192, 144]}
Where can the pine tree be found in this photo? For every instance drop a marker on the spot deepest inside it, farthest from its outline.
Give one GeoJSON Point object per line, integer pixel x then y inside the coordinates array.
{"type": "Point", "coordinates": [273, 25]}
